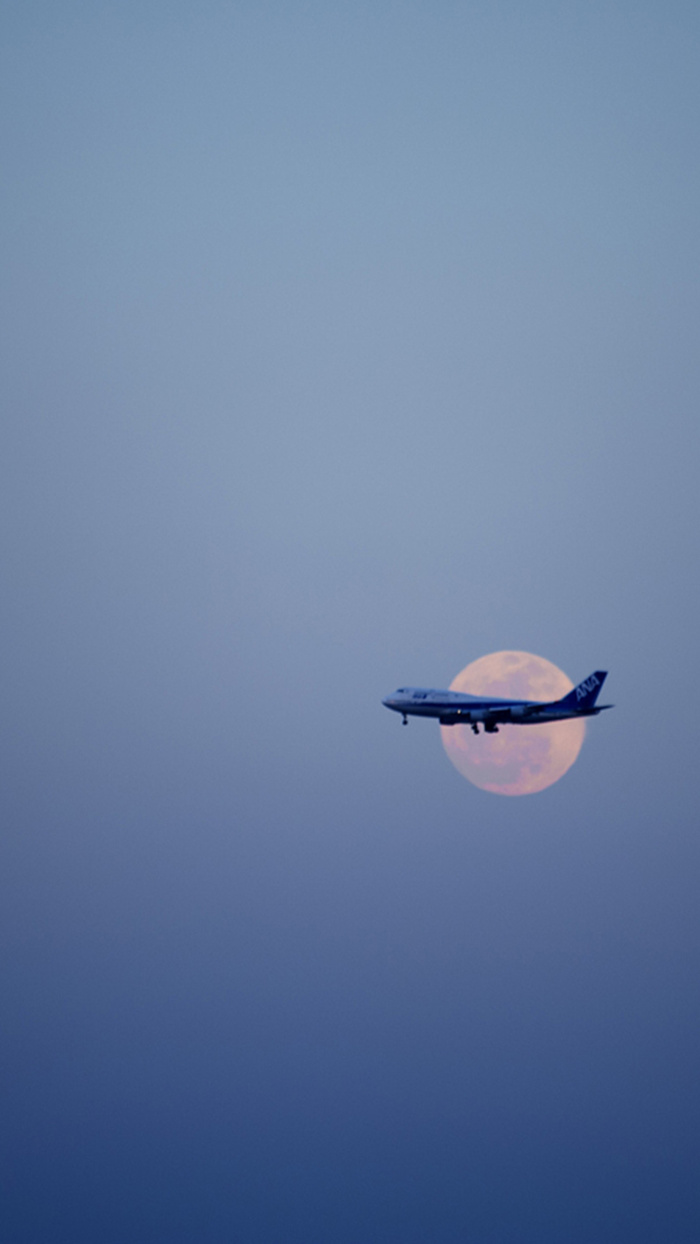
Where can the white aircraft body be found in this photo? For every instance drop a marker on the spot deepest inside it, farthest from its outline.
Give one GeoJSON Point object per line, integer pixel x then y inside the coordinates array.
{"type": "Point", "coordinates": [453, 708]}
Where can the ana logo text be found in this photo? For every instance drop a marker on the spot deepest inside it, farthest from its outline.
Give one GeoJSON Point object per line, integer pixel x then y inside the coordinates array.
{"type": "Point", "coordinates": [585, 688]}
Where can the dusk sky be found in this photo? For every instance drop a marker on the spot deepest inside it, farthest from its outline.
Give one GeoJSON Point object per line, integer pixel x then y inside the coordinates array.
{"type": "Point", "coordinates": [343, 344]}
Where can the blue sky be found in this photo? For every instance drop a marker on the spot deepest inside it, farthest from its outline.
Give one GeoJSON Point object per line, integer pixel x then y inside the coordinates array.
{"type": "Point", "coordinates": [342, 345]}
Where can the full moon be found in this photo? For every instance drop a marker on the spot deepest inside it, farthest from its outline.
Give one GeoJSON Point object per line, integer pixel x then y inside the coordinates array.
{"type": "Point", "coordinates": [519, 760]}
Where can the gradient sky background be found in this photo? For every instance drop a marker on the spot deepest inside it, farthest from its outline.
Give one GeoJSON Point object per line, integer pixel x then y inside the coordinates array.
{"type": "Point", "coordinates": [343, 344]}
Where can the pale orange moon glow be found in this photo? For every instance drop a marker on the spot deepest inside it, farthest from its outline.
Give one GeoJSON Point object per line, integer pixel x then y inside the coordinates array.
{"type": "Point", "coordinates": [519, 760]}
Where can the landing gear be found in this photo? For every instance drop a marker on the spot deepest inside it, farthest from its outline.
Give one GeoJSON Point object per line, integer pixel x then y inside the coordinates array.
{"type": "Point", "coordinates": [405, 720]}
{"type": "Point", "coordinates": [475, 728]}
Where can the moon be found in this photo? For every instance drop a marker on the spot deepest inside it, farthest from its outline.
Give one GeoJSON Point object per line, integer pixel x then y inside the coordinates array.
{"type": "Point", "coordinates": [519, 760]}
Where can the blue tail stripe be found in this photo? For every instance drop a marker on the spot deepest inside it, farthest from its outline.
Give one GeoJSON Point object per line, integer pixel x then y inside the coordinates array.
{"type": "Point", "coordinates": [587, 692]}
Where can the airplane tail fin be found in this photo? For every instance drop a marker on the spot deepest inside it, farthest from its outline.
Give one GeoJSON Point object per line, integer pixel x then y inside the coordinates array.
{"type": "Point", "coordinates": [585, 695]}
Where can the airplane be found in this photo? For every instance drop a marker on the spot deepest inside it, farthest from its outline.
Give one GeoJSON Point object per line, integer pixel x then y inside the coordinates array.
{"type": "Point", "coordinates": [454, 708]}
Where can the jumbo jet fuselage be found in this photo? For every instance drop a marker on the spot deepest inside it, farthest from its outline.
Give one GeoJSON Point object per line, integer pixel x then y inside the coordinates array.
{"type": "Point", "coordinates": [453, 708]}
